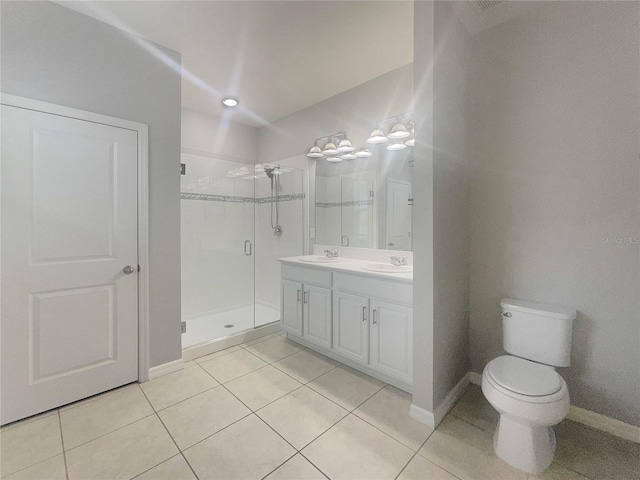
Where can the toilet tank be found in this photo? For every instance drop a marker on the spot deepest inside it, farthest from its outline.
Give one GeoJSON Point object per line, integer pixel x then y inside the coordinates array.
{"type": "Point", "coordinates": [537, 331]}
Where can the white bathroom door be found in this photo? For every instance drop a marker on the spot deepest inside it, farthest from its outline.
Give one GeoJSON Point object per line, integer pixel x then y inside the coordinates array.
{"type": "Point", "coordinates": [69, 230]}
{"type": "Point", "coordinates": [398, 215]}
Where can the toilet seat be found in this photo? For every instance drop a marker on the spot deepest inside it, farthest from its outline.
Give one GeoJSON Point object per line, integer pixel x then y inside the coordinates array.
{"type": "Point", "coordinates": [524, 377]}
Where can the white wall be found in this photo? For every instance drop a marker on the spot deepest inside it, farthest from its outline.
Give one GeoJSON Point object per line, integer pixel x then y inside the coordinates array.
{"type": "Point", "coordinates": [218, 136]}
{"type": "Point", "coordinates": [56, 55]}
{"type": "Point", "coordinates": [555, 132]}
{"type": "Point", "coordinates": [423, 48]}
{"type": "Point", "coordinates": [354, 111]}
{"type": "Point", "coordinates": [450, 201]}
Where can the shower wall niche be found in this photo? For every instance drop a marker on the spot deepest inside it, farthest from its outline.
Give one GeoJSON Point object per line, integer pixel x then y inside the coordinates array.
{"type": "Point", "coordinates": [230, 273]}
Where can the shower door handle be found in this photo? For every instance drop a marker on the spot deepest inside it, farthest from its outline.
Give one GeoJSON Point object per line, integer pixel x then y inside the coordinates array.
{"type": "Point", "coordinates": [247, 243]}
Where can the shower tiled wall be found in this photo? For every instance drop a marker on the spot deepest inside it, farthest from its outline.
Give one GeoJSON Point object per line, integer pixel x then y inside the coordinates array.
{"type": "Point", "coordinates": [220, 212]}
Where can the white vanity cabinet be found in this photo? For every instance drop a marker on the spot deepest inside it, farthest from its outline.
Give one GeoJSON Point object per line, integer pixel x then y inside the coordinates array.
{"type": "Point", "coordinates": [306, 304]}
{"type": "Point", "coordinates": [351, 326]}
{"type": "Point", "coordinates": [362, 320]}
{"type": "Point", "coordinates": [391, 339]}
{"type": "Point", "coordinates": [383, 323]}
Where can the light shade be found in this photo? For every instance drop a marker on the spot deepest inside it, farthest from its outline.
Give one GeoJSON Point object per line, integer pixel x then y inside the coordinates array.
{"type": "Point", "coordinates": [377, 137]}
{"type": "Point", "coordinates": [398, 131]}
{"type": "Point", "coordinates": [396, 146]}
{"type": "Point", "coordinates": [411, 142]}
{"type": "Point", "coordinates": [330, 149]}
{"type": "Point", "coordinates": [345, 146]}
{"type": "Point", "coordinates": [230, 102]}
{"type": "Point", "coordinates": [334, 159]}
{"type": "Point", "coordinates": [315, 152]}
{"type": "Point", "coordinates": [364, 153]}
{"type": "Point", "coordinates": [348, 156]}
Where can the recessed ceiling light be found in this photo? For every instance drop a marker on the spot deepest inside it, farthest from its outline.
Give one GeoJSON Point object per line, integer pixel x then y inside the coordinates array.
{"type": "Point", "coordinates": [230, 102]}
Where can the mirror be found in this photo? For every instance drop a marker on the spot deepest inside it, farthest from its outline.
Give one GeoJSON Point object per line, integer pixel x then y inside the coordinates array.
{"type": "Point", "coordinates": [365, 202]}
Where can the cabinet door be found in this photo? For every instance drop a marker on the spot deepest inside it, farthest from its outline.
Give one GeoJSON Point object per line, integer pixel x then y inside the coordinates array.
{"type": "Point", "coordinates": [316, 316]}
{"type": "Point", "coordinates": [351, 326]}
{"type": "Point", "coordinates": [291, 302]}
{"type": "Point", "coordinates": [391, 339]}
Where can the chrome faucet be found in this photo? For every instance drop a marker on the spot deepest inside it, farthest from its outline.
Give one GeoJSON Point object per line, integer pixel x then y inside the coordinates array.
{"type": "Point", "coordinates": [331, 253]}
{"type": "Point", "coordinates": [399, 260]}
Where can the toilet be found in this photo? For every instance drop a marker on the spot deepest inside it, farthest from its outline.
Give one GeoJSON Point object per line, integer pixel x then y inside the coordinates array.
{"type": "Point", "coordinates": [524, 387]}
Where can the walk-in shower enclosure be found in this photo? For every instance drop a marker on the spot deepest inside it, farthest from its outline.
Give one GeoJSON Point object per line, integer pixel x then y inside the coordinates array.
{"type": "Point", "coordinates": [230, 273]}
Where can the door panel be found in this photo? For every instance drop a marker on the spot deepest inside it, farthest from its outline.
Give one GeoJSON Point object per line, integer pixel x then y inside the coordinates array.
{"type": "Point", "coordinates": [69, 226]}
{"type": "Point", "coordinates": [398, 215]}
{"type": "Point", "coordinates": [351, 326]}
{"type": "Point", "coordinates": [317, 315]}
{"type": "Point", "coordinates": [391, 339]}
{"type": "Point", "coordinates": [292, 307]}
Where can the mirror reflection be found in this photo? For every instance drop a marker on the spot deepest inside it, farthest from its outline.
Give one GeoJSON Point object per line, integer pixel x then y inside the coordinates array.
{"type": "Point", "coordinates": [365, 202]}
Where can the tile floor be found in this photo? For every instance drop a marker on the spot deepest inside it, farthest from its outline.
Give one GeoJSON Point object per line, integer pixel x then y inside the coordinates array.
{"type": "Point", "coordinates": [272, 409]}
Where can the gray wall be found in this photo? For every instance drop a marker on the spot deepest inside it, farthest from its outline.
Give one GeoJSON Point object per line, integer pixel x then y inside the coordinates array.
{"type": "Point", "coordinates": [56, 55]}
{"type": "Point", "coordinates": [450, 202]}
{"type": "Point", "coordinates": [219, 136]}
{"type": "Point", "coordinates": [555, 132]}
{"type": "Point", "coordinates": [441, 204]}
{"type": "Point", "coordinates": [422, 213]}
{"type": "Point", "coordinates": [354, 111]}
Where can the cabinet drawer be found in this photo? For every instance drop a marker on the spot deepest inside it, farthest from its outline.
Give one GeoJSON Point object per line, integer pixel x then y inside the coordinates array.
{"type": "Point", "coordinates": [383, 289]}
{"type": "Point", "coordinates": [310, 276]}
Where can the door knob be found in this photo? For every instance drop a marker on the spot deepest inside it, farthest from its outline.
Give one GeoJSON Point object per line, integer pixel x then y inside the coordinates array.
{"type": "Point", "coordinates": [128, 269]}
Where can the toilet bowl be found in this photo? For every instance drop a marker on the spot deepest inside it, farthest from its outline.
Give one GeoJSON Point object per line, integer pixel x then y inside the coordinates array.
{"type": "Point", "coordinates": [524, 386]}
{"type": "Point", "coordinates": [530, 398]}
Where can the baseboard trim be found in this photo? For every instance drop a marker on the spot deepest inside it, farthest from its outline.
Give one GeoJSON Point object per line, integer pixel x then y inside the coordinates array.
{"type": "Point", "coordinates": [450, 400]}
{"type": "Point", "coordinates": [604, 423]}
{"type": "Point", "coordinates": [590, 419]}
{"type": "Point", "coordinates": [165, 368]}
{"type": "Point", "coordinates": [422, 415]}
{"type": "Point", "coordinates": [213, 346]}
{"type": "Point", "coordinates": [475, 378]}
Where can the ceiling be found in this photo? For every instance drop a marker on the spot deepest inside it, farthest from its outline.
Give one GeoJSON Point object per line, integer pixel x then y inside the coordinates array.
{"type": "Point", "coordinates": [276, 57]}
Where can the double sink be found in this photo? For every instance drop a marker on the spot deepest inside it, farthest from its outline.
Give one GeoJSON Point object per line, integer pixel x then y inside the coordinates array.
{"type": "Point", "coordinates": [372, 267]}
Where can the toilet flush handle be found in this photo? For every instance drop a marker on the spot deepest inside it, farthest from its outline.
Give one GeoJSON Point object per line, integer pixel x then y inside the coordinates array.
{"type": "Point", "coordinates": [506, 314]}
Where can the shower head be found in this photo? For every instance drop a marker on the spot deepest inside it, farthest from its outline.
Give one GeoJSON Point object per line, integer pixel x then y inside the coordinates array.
{"type": "Point", "coordinates": [270, 170]}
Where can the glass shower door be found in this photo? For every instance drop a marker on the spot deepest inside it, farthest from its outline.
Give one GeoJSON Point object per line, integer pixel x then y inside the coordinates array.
{"type": "Point", "coordinates": [218, 248]}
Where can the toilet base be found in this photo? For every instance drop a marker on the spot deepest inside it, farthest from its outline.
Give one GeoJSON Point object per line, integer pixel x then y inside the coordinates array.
{"type": "Point", "coordinates": [525, 447]}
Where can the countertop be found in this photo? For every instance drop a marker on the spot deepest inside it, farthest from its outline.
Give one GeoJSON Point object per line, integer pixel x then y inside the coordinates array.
{"type": "Point", "coordinates": [349, 265]}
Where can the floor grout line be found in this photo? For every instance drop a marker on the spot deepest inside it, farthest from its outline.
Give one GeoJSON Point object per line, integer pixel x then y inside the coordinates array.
{"type": "Point", "coordinates": [112, 431]}
{"type": "Point", "coordinates": [64, 453]}
{"type": "Point", "coordinates": [296, 453]}
{"type": "Point", "coordinates": [318, 468]}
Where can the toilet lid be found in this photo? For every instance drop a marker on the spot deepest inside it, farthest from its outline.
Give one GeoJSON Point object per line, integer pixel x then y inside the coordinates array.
{"type": "Point", "coordinates": [523, 376]}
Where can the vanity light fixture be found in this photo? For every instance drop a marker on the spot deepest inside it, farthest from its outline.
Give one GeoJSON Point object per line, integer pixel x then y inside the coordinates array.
{"type": "Point", "coordinates": [315, 151]}
{"type": "Point", "coordinates": [330, 149]}
{"type": "Point", "coordinates": [364, 153]}
{"type": "Point", "coordinates": [395, 146]}
{"type": "Point", "coordinates": [377, 137]}
{"type": "Point", "coordinates": [398, 131]}
{"type": "Point", "coordinates": [402, 127]}
{"type": "Point", "coordinates": [411, 142]}
{"type": "Point", "coordinates": [230, 102]}
{"type": "Point", "coordinates": [344, 149]}
{"type": "Point", "coordinates": [345, 146]}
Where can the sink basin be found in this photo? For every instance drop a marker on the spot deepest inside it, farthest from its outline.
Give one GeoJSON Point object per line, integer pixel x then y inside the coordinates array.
{"type": "Point", "coordinates": [388, 268]}
{"type": "Point", "coordinates": [320, 259]}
